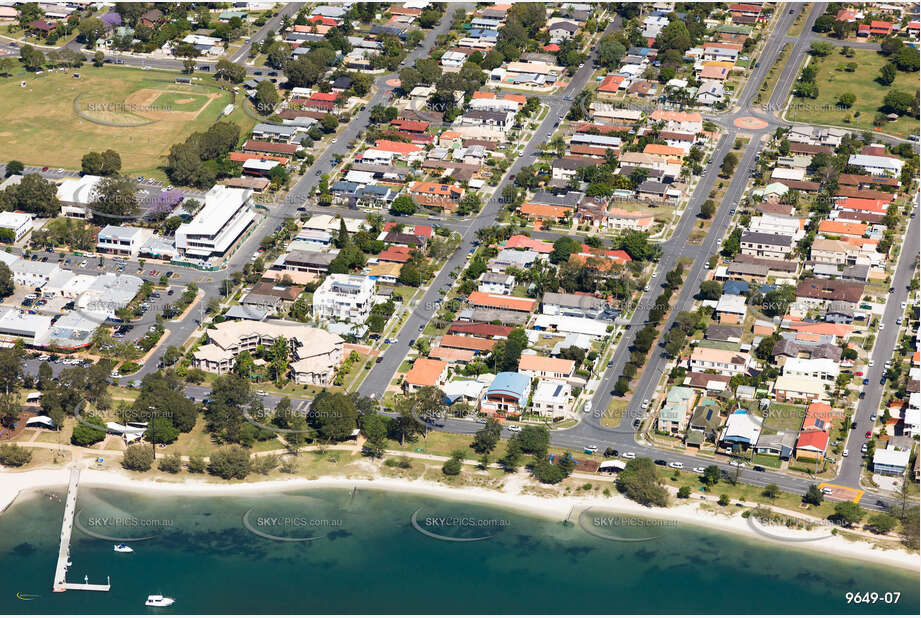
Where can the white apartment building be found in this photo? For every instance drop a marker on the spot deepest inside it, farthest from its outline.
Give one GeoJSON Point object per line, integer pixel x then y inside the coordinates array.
{"type": "Point", "coordinates": [223, 219]}
{"type": "Point", "coordinates": [344, 298]}
{"type": "Point", "coordinates": [75, 195]}
{"type": "Point", "coordinates": [777, 224]}
{"type": "Point", "coordinates": [551, 398]}
{"type": "Point", "coordinates": [20, 223]}
{"type": "Point", "coordinates": [122, 240]}
{"type": "Point", "coordinates": [823, 369]}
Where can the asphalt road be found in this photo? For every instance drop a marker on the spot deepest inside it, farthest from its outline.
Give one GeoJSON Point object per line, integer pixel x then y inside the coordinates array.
{"type": "Point", "coordinates": [380, 376]}
{"type": "Point", "coordinates": [886, 340]}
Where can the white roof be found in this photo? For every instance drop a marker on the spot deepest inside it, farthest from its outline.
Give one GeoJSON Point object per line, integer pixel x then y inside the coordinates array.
{"type": "Point", "coordinates": [891, 457]}
{"type": "Point", "coordinates": [78, 190]}
{"type": "Point", "coordinates": [731, 303]}
{"type": "Point", "coordinates": [552, 391]}
{"type": "Point", "coordinates": [220, 203]}
{"type": "Point", "coordinates": [14, 219]}
{"type": "Point", "coordinates": [875, 161]}
{"type": "Point", "coordinates": [743, 426]}
{"type": "Point", "coordinates": [570, 324]}
{"type": "Point", "coordinates": [799, 384]}
{"type": "Point", "coordinates": [784, 173]}
{"type": "Point", "coordinates": [825, 365]}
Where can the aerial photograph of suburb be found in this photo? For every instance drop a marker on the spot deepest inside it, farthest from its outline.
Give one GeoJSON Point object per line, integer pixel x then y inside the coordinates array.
{"type": "Point", "coordinates": [442, 308]}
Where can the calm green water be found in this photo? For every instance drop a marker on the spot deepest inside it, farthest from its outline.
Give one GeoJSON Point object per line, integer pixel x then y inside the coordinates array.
{"type": "Point", "coordinates": [370, 559]}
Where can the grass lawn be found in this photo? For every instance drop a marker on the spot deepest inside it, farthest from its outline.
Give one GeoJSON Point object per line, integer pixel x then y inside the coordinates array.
{"type": "Point", "coordinates": [800, 21]}
{"type": "Point", "coordinates": [42, 126]}
{"type": "Point", "coordinates": [180, 102]}
{"type": "Point", "coordinates": [767, 87]}
{"type": "Point", "coordinates": [614, 413]}
{"type": "Point", "coordinates": [785, 417]}
{"type": "Point", "coordinates": [766, 460]}
{"type": "Point", "coordinates": [833, 80]}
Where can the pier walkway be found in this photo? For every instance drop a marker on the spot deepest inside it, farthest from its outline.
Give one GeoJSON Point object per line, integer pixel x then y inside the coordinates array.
{"type": "Point", "coordinates": [67, 526]}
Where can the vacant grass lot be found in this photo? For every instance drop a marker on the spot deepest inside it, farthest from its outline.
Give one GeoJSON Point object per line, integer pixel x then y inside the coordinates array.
{"type": "Point", "coordinates": [833, 80]}
{"type": "Point", "coordinates": [40, 125]}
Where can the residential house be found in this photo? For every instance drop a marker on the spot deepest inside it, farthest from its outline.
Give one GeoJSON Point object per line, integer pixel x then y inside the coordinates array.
{"type": "Point", "coordinates": [425, 372]}
{"type": "Point", "coordinates": [507, 395]}
{"type": "Point", "coordinates": [537, 366]}
{"type": "Point", "coordinates": [726, 362]}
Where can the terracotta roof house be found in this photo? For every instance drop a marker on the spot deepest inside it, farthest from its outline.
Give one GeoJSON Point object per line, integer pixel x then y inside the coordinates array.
{"type": "Point", "coordinates": [395, 254]}
{"type": "Point", "coordinates": [426, 372]}
{"type": "Point", "coordinates": [481, 329]}
{"type": "Point", "coordinates": [437, 195]}
{"type": "Point", "coordinates": [497, 301]}
{"type": "Point", "coordinates": [811, 444]}
{"type": "Point", "coordinates": [519, 241]}
{"type": "Point", "coordinates": [476, 344]}
{"type": "Point", "coordinates": [270, 148]}
{"type": "Point", "coordinates": [545, 211]}
{"type": "Point", "coordinates": [545, 366]}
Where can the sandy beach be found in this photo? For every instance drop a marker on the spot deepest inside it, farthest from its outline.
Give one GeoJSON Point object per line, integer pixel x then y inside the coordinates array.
{"type": "Point", "coordinates": [819, 539]}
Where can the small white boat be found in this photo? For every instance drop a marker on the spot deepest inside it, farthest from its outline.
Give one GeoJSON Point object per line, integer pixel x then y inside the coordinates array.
{"type": "Point", "coordinates": [158, 600]}
{"type": "Point", "coordinates": [122, 549]}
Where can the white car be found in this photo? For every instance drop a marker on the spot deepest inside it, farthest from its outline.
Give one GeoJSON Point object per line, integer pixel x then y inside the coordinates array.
{"type": "Point", "coordinates": [826, 490]}
{"type": "Point", "coordinates": [844, 454]}
{"type": "Point", "coordinates": [260, 392]}
{"type": "Point", "coordinates": [514, 428]}
{"type": "Point", "coordinates": [699, 470]}
{"type": "Point", "coordinates": [591, 449]}
{"type": "Point", "coordinates": [83, 264]}
{"type": "Point", "coordinates": [737, 464]}
{"type": "Point", "coordinates": [881, 326]}
{"type": "Point", "coordinates": [645, 403]}
{"type": "Point", "coordinates": [646, 289]}
{"type": "Point", "coordinates": [628, 455]}
{"type": "Point", "coordinates": [677, 465]}
{"type": "Point", "coordinates": [870, 363]}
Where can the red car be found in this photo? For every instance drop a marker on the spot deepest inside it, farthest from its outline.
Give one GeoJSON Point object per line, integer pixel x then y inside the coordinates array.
{"type": "Point", "coordinates": [869, 434]}
{"type": "Point", "coordinates": [858, 373]}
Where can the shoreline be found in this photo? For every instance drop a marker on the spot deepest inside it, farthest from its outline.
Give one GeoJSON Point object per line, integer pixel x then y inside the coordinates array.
{"type": "Point", "coordinates": [13, 484]}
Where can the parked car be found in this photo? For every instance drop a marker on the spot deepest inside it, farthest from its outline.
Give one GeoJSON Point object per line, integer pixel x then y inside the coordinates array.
{"type": "Point", "coordinates": [514, 428]}
{"type": "Point", "coordinates": [677, 465]}
{"type": "Point", "coordinates": [629, 455]}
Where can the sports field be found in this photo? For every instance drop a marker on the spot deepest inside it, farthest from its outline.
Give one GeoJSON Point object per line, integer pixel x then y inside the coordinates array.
{"type": "Point", "coordinates": [56, 118]}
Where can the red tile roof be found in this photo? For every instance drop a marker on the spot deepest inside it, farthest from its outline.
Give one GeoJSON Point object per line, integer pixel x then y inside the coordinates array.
{"type": "Point", "coordinates": [484, 329]}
